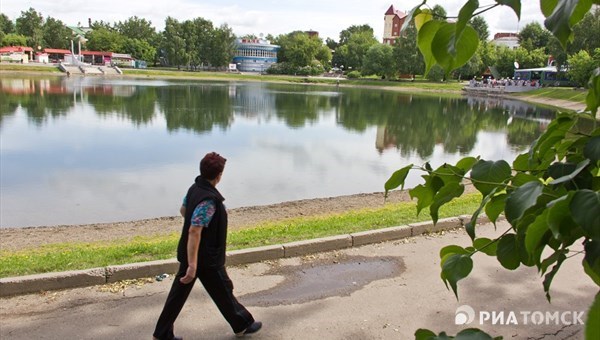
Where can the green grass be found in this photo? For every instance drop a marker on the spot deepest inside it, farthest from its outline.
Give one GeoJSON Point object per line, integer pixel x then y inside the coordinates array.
{"type": "Point", "coordinates": [28, 68]}
{"type": "Point", "coordinates": [75, 256]}
{"type": "Point", "coordinates": [564, 93]}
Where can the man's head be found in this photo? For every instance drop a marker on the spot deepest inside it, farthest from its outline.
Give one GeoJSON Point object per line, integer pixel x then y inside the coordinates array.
{"type": "Point", "coordinates": [211, 166]}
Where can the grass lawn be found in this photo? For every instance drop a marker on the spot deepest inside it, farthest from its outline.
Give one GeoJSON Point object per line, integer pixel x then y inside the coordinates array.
{"type": "Point", "coordinates": [74, 256]}
{"type": "Point", "coordinates": [564, 93]}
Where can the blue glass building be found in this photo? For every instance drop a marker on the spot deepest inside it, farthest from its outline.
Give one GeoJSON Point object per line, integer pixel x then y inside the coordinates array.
{"type": "Point", "coordinates": [254, 55]}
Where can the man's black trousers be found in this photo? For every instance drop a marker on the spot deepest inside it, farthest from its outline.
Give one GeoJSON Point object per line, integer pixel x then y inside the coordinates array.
{"type": "Point", "coordinates": [219, 287]}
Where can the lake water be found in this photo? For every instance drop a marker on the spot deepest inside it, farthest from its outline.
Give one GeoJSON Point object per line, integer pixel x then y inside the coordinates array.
{"type": "Point", "coordinates": [89, 150]}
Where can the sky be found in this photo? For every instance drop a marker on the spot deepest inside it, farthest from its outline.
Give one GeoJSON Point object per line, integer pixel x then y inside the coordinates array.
{"type": "Point", "coordinates": [328, 17]}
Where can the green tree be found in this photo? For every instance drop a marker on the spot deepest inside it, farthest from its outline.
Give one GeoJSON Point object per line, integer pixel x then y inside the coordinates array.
{"type": "Point", "coordinates": [533, 36]}
{"type": "Point", "coordinates": [6, 25]}
{"type": "Point", "coordinates": [138, 49]}
{"type": "Point", "coordinates": [586, 34]}
{"type": "Point", "coordinates": [481, 26]}
{"type": "Point", "coordinates": [354, 51]}
{"type": "Point", "coordinates": [408, 58]}
{"type": "Point", "coordinates": [380, 60]}
{"type": "Point", "coordinates": [348, 32]}
{"type": "Point", "coordinates": [174, 43]}
{"type": "Point", "coordinates": [222, 46]}
{"type": "Point", "coordinates": [103, 39]}
{"type": "Point", "coordinates": [137, 28]}
{"type": "Point", "coordinates": [56, 34]}
{"type": "Point", "coordinates": [550, 195]}
{"type": "Point", "coordinates": [13, 39]}
{"type": "Point", "coordinates": [298, 48]}
{"type": "Point", "coordinates": [30, 24]}
{"type": "Point", "coordinates": [582, 65]}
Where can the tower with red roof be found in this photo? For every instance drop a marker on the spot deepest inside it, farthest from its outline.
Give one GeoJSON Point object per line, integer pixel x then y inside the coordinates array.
{"type": "Point", "coordinates": [393, 21]}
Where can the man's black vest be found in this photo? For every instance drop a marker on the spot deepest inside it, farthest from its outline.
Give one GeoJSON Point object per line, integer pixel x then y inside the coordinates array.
{"type": "Point", "coordinates": [214, 237]}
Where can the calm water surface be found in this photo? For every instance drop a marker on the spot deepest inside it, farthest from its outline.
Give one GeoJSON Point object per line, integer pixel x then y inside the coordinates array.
{"type": "Point", "coordinates": [88, 150]}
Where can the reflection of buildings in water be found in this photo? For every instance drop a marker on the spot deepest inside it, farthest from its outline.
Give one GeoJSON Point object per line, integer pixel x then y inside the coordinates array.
{"type": "Point", "coordinates": [20, 86]}
{"type": "Point", "coordinates": [383, 140]}
{"type": "Point", "coordinates": [514, 108]}
{"type": "Point", "coordinates": [30, 86]}
{"type": "Point", "coordinates": [252, 100]}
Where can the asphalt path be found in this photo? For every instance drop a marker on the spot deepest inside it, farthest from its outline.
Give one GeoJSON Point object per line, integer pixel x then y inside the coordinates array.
{"type": "Point", "coordinates": [381, 291]}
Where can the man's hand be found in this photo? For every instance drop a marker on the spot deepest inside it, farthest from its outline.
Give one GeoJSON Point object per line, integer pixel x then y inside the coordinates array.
{"type": "Point", "coordinates": [190, 275]}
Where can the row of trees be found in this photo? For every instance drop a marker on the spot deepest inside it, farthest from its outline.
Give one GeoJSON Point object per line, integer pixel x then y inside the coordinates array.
{"type": "Point", "coordinates": [196, 42]}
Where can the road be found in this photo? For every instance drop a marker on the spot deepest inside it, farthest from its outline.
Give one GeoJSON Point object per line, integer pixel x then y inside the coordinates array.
{"type": "Point", "coordinates": [381, 291]}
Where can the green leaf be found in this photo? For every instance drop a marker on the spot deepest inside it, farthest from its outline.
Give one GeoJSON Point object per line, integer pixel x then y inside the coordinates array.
{"type": "Point", "coordinates": [591, 261]}
{"type": "Point", "coordinates": [547, 6]}
{"type": "Point", "coordinates": [464, 15]}
{"type": "Point", "coordinates": [565, 15]}
{"type": "Point", "coordinates": [445, 195]}
{"type": "Point", "coordinates": [456, 268]}
{"type": "Point", "coordinates": [520, 179]}
{"type": "Point", "coordinates": [424, 40]}
{"type": "Point", "coordinates": [585, 209]}
{"type": "Point", "coordinates": [412, 15]}
{"type": "Point", "coordinates": [470, 226]}
{"type": "Point", "coordinates": [514, 4]}
{"type": "Point", "coordinates": [422, 17]}
{"type": "Point", "coordinates": [466, 163]}
{"type": "Point", "coordinates": [424, 196]}
{"type": "Point", "coordinates": [559, 216]}
{"type": "Point", "coordinates": [550, 276]}
{"type": "Point", "coordinates": [397, 179]}
{"type": "Point", "coordinates": [592, 149]}
{"type": "Point", "coordinates": [449, 173]}
{"type": "Point", "coordinates": [472, 334]}
{"type": "Point", "coordinates": [486, 246]}
{"type": "Point", "coordinates": [536, 231]}
{"type": "Point", "coordinates": [508, 252]}
{"type": "Point", "coordinates": [450, 51]}
{"type": "Point", "coordinates": [495, 207]}
{"type": "Point", "coordinates": [522, 199]}
{"type": "Point", "coordinates": [593, 97]}
{"type": "Point", "coordinates": [573, 174]}
{"type": "Point", "coordinates": [452, 249]}
{"type": "Point", "coordinates": [492, 173]}
{"type": "Point", "coordinates": [592, 328]}
{"type": "Point", "coordinates": [424, 334]}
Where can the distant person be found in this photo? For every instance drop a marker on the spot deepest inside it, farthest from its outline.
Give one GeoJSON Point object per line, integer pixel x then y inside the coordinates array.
{"type": "Point", "coordinates": [201, 254]}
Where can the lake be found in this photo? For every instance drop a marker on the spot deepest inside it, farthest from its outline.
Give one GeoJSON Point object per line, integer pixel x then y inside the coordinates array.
{"type": "Point", "coordinates": [89, 150]}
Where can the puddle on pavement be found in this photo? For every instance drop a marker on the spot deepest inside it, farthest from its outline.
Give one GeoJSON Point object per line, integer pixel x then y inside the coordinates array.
{"type": "Point", "coordinates": [320, 279]}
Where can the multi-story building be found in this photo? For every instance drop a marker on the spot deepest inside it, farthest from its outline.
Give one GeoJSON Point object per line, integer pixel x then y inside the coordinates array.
{"type": "Point", "coordinates": [254, 55]}
{"type": "Point", "coordinates": [510, 40]}
{"type": "Point", "coordinates": [393, 21]}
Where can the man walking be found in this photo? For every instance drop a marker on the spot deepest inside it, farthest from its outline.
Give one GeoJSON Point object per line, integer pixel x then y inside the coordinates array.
{"type": "Point", "coordinates": [201, 254]}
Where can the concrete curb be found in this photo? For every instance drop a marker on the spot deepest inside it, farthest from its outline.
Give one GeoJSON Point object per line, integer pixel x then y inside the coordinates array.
{"type": "Point", "coordinates": [97, 276]}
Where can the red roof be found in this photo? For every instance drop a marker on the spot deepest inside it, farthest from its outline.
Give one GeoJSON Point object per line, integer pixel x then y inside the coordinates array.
{"type": "Point", "coordinates": [56, 51]}
{"type": "Point", "coordinates": [392, 11]}
{"type": "Point", "coordinates": [8, 49]}
{"type": "Point", "coordinates": [108, 54]}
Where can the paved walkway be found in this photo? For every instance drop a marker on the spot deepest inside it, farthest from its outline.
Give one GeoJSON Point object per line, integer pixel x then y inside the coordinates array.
{"type": "Point", "coordinates": [378, 291]}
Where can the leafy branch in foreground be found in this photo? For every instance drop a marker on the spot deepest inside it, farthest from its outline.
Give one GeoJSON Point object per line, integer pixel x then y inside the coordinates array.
{"type": "Point", "coordinates": [549, 195]}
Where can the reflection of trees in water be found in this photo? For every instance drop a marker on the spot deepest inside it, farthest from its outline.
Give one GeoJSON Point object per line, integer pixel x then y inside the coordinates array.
{"type": "Point", "coordinates": [138, 107]}
{"type": "Point", "coordinates": [407, 122]}
{"type": "Point", "coordinates": [297, 109]}
{"type": "Point", "coordinates": [38, 108]}
{"type": "Point", "coordinates": [416, 123]}
{"type": "Point", "coordinates": [195, 107]}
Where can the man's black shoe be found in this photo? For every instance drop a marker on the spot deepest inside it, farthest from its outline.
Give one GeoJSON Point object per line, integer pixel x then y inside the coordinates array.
{"type": "Point", "coordinates": [253, 328]}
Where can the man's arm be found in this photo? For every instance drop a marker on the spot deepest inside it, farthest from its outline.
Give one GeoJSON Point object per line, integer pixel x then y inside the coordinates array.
{"type": "Point", "coordinates": [193, 243]}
